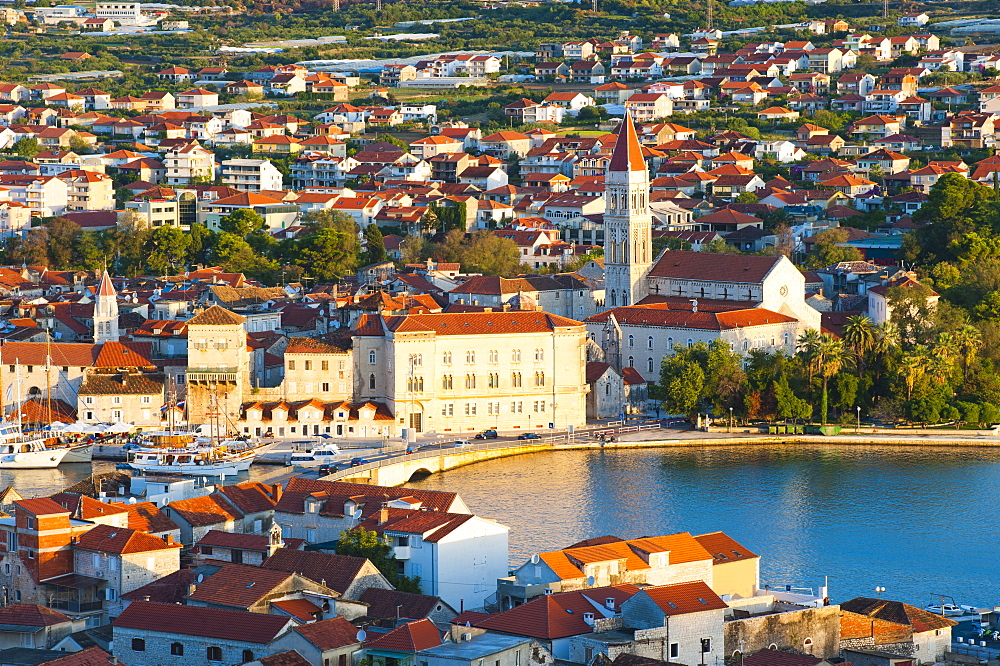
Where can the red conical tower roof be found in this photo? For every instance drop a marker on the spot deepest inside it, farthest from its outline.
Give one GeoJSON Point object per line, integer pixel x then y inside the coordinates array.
{"type": "Point", "coordinates": [106, 288]}
{"type": "Point", "coordinates": [627, 154]}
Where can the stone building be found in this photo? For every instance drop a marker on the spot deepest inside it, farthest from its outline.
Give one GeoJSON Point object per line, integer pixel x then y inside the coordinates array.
{"type": "Point", "coordinates": [158, 634]}
{"type": "Point", "coordinates": [892, 627]}
{"type": "Point", "coordinates": [218, 365]}
{"type": "Point", "coordinates": [458, 373]}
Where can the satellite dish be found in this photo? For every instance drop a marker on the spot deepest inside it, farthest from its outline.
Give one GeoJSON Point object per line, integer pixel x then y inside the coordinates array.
{"type": "Point", "coordinates": [468, 624]}
{"type": "Point", "coordinates": [201, 578]}
{"type": "Point", "coordinates": [590, 581]}
{"type": "Point", "coordinates": [362, 635]}
{"type": "Point", "coordinates": [535, 558]}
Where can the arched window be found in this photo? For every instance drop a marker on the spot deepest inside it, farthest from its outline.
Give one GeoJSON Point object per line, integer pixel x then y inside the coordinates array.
{"type": "Point", "coordinates": [34, 390]}
{"type": "Point", "coordinates": [372, 357]}
{"type": "Point", "coordinates": [649, 365]}
{"type": "Point", "coordinates": [177, 649]}
{"type": "Point", "coordinates": [631, 362]}
{"type": "Point", "coordinates": [649, 342]}
{"type": "Point", "coordinates": [670, 344]}
{"type": "Point", "coordinates": [631, 341]}
{"type": "Point", "coordinates": [690, 342]}
{"type": "Point", "coordinates": [371, 381]}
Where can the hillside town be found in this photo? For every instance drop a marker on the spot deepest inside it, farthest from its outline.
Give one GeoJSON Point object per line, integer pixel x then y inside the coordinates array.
{"type": "Point", "coordinates": [357, 256]}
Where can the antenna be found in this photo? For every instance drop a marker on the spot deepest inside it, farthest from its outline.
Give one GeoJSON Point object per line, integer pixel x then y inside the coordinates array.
{"type": "Point", "coordinates": [594, 6]}
{"type": "Point", "coordinates": [378, 5]}
{"type": "Point", "coordinates": [709, 9]}
{"type": "Point", "coordinates": [336, 5]}
{"type": "Point", "coordinates": [885, 8]}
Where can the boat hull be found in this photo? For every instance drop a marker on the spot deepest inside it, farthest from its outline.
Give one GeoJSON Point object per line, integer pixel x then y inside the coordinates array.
{"type": "Point", "coordinates": [33, 459]}
{"type": "Point", "coordinates": [82, 453]}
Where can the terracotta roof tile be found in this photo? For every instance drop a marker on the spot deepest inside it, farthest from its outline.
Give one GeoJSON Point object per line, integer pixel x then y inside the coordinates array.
{"type": "Point", "coordinates": [336, 572]}
{"type": "Point", "coordinates": [288, 658]}
{"type": "Point", "coordinates": [555, 615]}
{"type": "Point", "coordinates": [216, 316]}
{"type": "Point", "coordinates": [393, 603]}
{"type": "Point", "coordinates": [207, 510]}
{"type": "Point", "coordinates": [410, 637]}
{"type": "Point", "coordinates": [147, 517]}
{"type": "Point", "coordinates": [121, 540]}
{"type": "Point", "coordinates": [31, 615]}
{"type": "Point", "coordinates": [683, 598]}
{"type": "Point", "coordinates": [335, 632]}
{"type": "Point", "coordinates": [300, 609]}
{"type": "Point", "coordinates": [238, 585]}
{"type": "Point", "coordinates": [255, 628]}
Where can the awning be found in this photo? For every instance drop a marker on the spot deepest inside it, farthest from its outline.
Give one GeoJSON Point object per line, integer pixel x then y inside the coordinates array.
{"type": "Point", "coordinates": [74, 581]}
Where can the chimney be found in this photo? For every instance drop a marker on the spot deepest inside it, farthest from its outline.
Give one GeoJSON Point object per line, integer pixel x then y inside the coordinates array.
{"type": "Point", "coordinates": [383, 516]}
{"type": "Point", "coordinates": [276, 492]}
{"type": "Point", "coordinates": [168, 538]}
{"type": "Point", "coordinates": [609, 602]}
{"type": "Point", "coordinates": [192, 588]}
{"type": "Point", "coordinates": [588, 618]}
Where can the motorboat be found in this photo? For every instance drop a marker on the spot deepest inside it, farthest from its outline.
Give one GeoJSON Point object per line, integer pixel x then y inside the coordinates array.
{"type": "Point", "coordinates": [21, 451]}
{"type": "Point", "coordinates": [323, 454]}
{"type": "Point", "coordinates": [947, 610]}
{"type": "Point", "coordinates": [81, 452]}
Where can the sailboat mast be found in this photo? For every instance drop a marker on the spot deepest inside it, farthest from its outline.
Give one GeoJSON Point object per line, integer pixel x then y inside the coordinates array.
{"type": "Point", "coordinates": [3, 411]}
{"type": "Point", "coordinates": [48, 374]}
{"type": "Point", "coordinates": [17, 398]}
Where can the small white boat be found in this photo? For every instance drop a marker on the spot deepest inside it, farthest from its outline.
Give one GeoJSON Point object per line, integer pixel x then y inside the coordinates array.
{"type": "Point", "coordinates": [323, 454]}
{"type": "Point", "coordinates": [944, 609]}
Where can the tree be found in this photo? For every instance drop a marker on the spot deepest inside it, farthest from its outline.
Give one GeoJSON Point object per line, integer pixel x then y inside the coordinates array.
{"type": "Point", "coordinates": [375, 244]}
{"type": "Point", "coordinates": [62, 237]}
{"type": "Point", "coordinates": [328, 254]}
{"type": "Point", "coordinates": [969, 340]}
{"type": "Point", "coordinates": [360, 542]}
{"type": "Point", "coordinates": [789, 405]}
{"type": "Point", "coordinates": [682, 381]}
{"type": "Point", "coordinates": [168, 249]}
{"type": "Point", "coordinates": [859, 335]}
{"type": "Point", "coordinates": [27, 148]}
{"type": "Point", "coordinates": [831, 356]}
{"type": "Point", "coordinates": [747, 197]}
{"type": "Point", "coordinates": [912, 309]}
{"type": "Point", "coordinates": [414, 249]}
{"type": "Point", "coordinates": [242, 222]}
{"type": "Point", "coordinates": [911, 368]}
{"type": "Point", "coordinates": [828, 249]}
{"type": "Point", "coordinates": [955, 208]}
{"type": "Point", "coordinates": [489, 254]}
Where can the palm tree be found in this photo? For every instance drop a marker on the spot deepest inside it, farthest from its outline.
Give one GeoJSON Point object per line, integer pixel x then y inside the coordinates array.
{"type": "Point", "coordinates": [886, 340]}
{"type": "Point", "coordinates": [808, 344]}
{"type": "Point", "coordinates": [913, 366]}
{"type": "Point", "coordinates": [831, 355]}
{"type": "Point", "coordinates": [859, 333]}
{"type": "Point", "coordinates": [969, 340]}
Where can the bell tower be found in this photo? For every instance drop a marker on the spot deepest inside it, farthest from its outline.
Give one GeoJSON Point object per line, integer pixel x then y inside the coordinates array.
{"type": "Point", "coordinates": [628, 234]}
{"type": "Point", "coordinates": [106, 312]}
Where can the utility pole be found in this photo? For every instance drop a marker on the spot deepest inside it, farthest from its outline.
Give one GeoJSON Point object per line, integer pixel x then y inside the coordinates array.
{"type": "Point", "coordinates": [885, 8]}
{"type": "Point", "coordinates": [709, 10]}
{"type": "Point", "coordinates": [378, 5]}
{"type": "Point", "coordinates": [594, 6]}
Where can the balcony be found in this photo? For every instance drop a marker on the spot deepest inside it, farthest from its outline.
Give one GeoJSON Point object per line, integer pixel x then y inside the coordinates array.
{"type": "Point", "coordinates": [213, 374]}
{"type": "Point", "coordinates": [401, 552]}
{"type": "Point", "coordinates": [76, 606]}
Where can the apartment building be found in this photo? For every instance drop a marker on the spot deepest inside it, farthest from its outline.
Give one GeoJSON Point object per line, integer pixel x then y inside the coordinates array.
{"type": "Point", "coordinates": [249, 175]}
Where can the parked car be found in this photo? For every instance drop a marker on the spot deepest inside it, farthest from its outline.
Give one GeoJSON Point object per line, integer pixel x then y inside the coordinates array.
{"type": "Point", "coordinates": [462, 442]}
{"type": "Point", "coordinates": [355, 462]}
{"type": "Point", "coordinates": [487, 434]}
{"type": "Point", "coordinates": [529, 435]}
{"type": "Point", "coordinates": [327, 468]}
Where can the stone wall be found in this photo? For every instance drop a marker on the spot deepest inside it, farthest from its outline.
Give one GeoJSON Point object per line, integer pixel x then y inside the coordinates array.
{"type": "Point", "coordinates": [815, 631]}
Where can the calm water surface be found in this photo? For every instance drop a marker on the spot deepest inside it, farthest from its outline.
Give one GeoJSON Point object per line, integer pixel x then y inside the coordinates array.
{"type": "Point", "coordinates": [919, 521]}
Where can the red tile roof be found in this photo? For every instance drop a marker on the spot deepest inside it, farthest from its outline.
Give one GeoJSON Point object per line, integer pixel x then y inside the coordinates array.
{"type": "Point", "coordinates": [121, 540]}
{"type": "Point", "coordinates": [741, 269]}
{"type": "Point", "coordinates": [31, 615]}
{"type": "Point", "coordinates": [238, 585]}
{"type": "Point", "coordinates": [395, 604]}
{"type": "Point", "coordinates": [147, 517]}
{"type": "Point", "coordinates": [300, 609]}
{"type": "Point", "coordinates": [220, 539]}
{"type": "Point", "coordinates": [250, 496]}
{"type": "Point", "coordinates": [41, 506]}
{"type": "Point", "coordinates": [217, 316]}
{"type": "Point", "coordinates": [208, 510]}
{"type": "Point", "coordinates": [92, 656]}
{"type": "Point", "coordinates": [780, 658]}
{"type": "Point", "coordinates": [288, 658]}
{"type": "Point", "coordinates": [410, 637]}
{"type": "Point", "coordinates": [208, 622]}
{"type": "Point", "coordinates": [555, 615]}
{"type": "Point", "coordinates": [683, 598]}
{"type": "Point", "coordinates": [329, 634]}
{"type": "Point", "coordinates": [898, 613]}
{"type": "Point", "coordinates": [337, 572]}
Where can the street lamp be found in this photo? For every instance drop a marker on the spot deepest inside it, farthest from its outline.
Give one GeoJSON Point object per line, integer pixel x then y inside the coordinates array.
{"type": "Point", "coordinates": [879, 590]}
{"type": "Point", "coordinates": [730, 419]}
{"type": "Point", "coordinates": [857, 430]}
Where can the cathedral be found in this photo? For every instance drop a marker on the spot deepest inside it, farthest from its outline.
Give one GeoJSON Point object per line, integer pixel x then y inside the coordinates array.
{"type": "Point", "coordinates": [681, 297]}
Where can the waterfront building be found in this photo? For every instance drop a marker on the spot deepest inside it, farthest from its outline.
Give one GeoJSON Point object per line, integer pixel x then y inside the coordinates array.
{"type": "Point", "coordinates": [716, 559]}
{"type": "Point", "coordinates": [459, 373]}
{"type": "Point", "coordinates": [876, 627]}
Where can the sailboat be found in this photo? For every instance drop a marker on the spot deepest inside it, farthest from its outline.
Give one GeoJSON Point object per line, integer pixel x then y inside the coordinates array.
{"type": "Point", "coordinates": [186, 453]}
